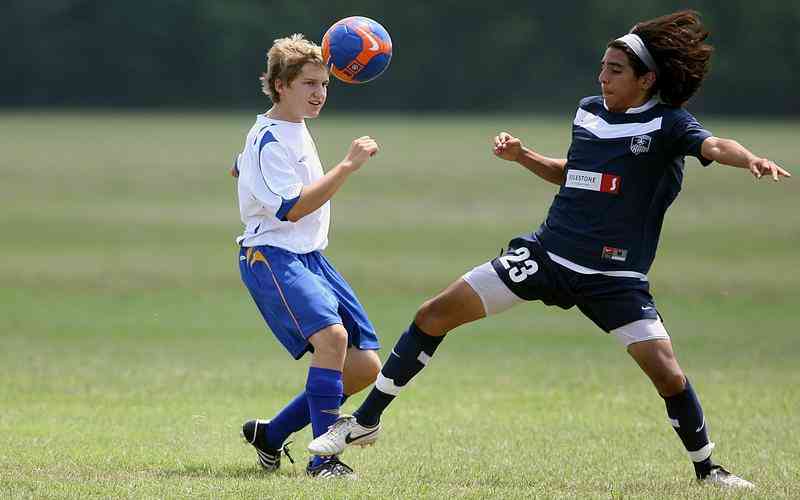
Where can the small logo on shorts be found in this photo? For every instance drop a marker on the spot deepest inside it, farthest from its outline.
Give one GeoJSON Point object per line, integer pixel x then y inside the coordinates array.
{"type": "Point", "coordinates": [618, 254]}
{"type": "Point", "coordinates": [640, 144]}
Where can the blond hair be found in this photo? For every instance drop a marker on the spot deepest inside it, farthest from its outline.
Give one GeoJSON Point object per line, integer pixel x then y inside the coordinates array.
{"type": "Point", "coordinates": [285, 60]}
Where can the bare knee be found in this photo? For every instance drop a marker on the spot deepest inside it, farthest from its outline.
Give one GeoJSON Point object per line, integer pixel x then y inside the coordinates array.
{"type": "Point", "coordinates": [669, 383]}
{"type": "Point", "coordinates": [368, 367]}
{"type": "Point", "coordinates": [455, 305]}
{"type": "Point", "coordinates": [657, 360]}
{"type": "Point", "coordinates": [330, 346]}
{"type": "Point", "coordinates": [429, 318]}
{"type": "Point", "coordinates": [361, 368]}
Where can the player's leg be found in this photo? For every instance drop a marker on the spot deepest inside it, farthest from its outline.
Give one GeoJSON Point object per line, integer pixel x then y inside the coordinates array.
{"type": "Point", "coordinates": [649, 345]}
{"type": "Point", "coordinates": [360, 369]}
{"type": "Point", "coordinates": [477, 294]}
{"type": "Point", "coordinates": [456, 305]}
{"type": "Point", "coordinates": [361, 363]}
{"type": "Point", "coordinates": [324, 386]}
{"type": "Point", "coordinates": [302, 315]}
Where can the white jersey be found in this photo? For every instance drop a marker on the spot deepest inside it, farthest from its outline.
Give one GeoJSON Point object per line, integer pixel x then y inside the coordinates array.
{"type": "Point", "coordinates": [278, 159]}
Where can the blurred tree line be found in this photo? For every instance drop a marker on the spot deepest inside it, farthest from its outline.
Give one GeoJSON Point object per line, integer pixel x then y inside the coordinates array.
{"type": "Point", "coordinates": [456, 55]}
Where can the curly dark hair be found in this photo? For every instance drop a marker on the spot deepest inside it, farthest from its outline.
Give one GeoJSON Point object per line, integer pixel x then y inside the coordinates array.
{"type": "Point", "coordinates": [676, 42]}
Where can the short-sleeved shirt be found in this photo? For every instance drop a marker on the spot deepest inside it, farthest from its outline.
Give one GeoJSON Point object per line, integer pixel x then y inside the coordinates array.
{"type": "Point", "coordinates": [623, 171]}
{"type": "Point", "coordinates": [277, 160]}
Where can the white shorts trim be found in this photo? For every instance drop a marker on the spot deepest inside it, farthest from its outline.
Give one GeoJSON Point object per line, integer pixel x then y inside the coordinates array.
{"type": "Point", "coordinates": [494, 294]}
{"type": "Point", "coordinates": [640, 331]}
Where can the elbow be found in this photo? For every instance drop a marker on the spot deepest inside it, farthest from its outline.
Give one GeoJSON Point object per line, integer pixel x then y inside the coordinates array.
{"type": "Point", "coordinates": [289, 211]}
{"type": "Point", "coordinates": [715, 148]}
{"type": "Point", "coordinates": [293, 215]}
{"type": "Point", "coordinates": [559, 176]}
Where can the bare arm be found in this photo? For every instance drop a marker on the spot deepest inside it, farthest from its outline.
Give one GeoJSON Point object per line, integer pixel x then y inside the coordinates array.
{"type": "Point", "coordinates": [319, 192]}
{"type": "Point", "coordinates": [730, 152]}
{"type": "Point", "coordinates": [510, 148]}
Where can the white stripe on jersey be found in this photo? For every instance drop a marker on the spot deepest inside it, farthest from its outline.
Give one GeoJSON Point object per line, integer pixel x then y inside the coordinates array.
{"type": "Point", "coordinates": [604, 130]}
{"type": "Point", "coordinates": [586, 270]}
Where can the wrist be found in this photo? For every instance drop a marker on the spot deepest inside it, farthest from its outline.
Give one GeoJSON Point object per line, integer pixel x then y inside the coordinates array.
{"type": "Point", "coordinates": [523, 152]}
{"type": "Point", "coordinates": [347, 166]}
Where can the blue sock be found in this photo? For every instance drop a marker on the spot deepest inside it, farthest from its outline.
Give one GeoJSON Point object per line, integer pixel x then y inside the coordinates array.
{"type": "Point", "coordinates": [686, 416]}
{"type": "Point", "coordinates": [292, 418]}
{"type": "Point", "coordinates": [324, 392]}
{"type": "Point", "coordinates": [410, 355]}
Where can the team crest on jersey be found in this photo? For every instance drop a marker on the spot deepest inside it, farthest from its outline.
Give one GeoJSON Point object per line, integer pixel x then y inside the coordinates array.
{"type": "Point", "coordinates": [640, 144]}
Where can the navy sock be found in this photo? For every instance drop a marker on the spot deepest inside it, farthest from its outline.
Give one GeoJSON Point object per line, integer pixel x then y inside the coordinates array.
{"type": "Point", "coordinates": [410, 355]}
{"type": "Point", "coordinates": [686, 416]}
{"type": "Point", "coordinates": [324, 392]}
{"type": "Point", "coordinates": [292, 418]}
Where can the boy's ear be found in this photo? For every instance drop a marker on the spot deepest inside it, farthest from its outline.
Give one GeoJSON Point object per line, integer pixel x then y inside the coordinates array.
{"type": "Point", "coordinates": [280, 86]}
{"type": "Point", "coordinates": [649, 80]}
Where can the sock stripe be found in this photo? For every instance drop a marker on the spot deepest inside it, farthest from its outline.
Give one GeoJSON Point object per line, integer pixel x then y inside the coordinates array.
{"type": "Point", "coordinates": [387, 385]}
{"type": "Point", "coordinates": [703, 453]}
{"type": "Point", "coordinates": [423, 358]}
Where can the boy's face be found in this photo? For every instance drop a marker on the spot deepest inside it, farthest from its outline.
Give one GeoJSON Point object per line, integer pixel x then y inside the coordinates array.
{"type": "Point", "coordinates": [306, 94]}
{"type": "Point", "coordinates": [621, 88]}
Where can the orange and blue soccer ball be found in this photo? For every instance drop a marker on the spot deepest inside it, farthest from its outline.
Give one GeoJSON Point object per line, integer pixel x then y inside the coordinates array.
{"type": "Point", "coordinates": [357, 49]}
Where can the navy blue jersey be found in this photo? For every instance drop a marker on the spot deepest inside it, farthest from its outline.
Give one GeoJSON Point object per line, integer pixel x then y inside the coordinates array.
{"type": "Point", "coordinates": [623, 171]}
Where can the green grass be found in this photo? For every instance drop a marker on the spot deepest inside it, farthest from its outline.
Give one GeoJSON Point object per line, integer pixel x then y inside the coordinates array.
{"type": "Point", "coordinates": [130, 353]}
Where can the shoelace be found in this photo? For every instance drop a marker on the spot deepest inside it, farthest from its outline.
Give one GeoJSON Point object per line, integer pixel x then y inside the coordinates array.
{"type": "Point", "coordinates": [339, 427]}
{"type": "Point", "coordinates": [285, 450]}
{"type": "Point", "coordinates": [338, 467]}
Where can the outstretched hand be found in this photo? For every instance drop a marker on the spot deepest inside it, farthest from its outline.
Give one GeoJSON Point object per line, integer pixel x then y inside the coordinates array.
{"type": "Point", "coordinates": [507, 147]}
{"type": "Point", "coordinates": [760, 167]}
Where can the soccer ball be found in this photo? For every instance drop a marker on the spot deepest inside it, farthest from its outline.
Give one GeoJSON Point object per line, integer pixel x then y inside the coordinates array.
{"type": "Point", "coordinates": [356, 49]}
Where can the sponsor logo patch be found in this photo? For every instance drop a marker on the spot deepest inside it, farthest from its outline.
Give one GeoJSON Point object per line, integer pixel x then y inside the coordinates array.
{"type": "Point", "coordinates": [593, 181]}
{"type": "Point", "coordinates": [640, 144]}
{"type": "Point", "coordinates": [618, 254]}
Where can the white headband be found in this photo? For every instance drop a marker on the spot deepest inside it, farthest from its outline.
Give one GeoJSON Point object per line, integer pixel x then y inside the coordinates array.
{"type": "Point", "coordinates": [638, 47]}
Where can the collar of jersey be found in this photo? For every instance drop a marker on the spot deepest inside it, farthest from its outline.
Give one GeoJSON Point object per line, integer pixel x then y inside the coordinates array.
{"type": "Point", "coordinates": [263, 118]}
{"type": "Point", "coordinates": [638, 109]}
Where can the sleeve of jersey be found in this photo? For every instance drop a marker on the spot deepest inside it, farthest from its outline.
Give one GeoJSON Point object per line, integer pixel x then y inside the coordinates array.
{"type": "Point", "coordinates": [688, 136]}
{"type": "Point", "coordinates": [280, 182]}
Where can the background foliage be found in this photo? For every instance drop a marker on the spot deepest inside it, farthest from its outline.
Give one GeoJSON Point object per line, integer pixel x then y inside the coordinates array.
{"type": "Point", "coordinates": [449, 55]}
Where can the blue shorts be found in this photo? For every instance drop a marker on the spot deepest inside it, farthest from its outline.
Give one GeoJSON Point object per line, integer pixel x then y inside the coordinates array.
{"type": "Point", "coordinates": [610, 302]}
{"type": "Point", "coordinates": [300, 294]}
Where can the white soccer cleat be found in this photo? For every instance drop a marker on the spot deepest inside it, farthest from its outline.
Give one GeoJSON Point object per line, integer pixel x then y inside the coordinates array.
{"type": "Point", "coordinates": [343, 433]}
{"type": "Point", "coordinates": [720, 477]}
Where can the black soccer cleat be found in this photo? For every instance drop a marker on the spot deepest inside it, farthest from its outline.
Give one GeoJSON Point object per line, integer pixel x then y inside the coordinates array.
{"type": "Point", "coordinates": [255, 433]}
{"type": "Point", "coordinates": [331, 467]}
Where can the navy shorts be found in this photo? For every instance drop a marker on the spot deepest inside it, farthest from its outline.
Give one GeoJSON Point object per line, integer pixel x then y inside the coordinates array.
{"type": "Point", "coordinates": [610, 302]}
{"type": "Point", "coordinates": [300, 294]}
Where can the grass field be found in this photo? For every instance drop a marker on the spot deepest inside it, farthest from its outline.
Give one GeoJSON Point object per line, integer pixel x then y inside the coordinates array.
{"type": "Point", "coordinates": [130, 353]}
